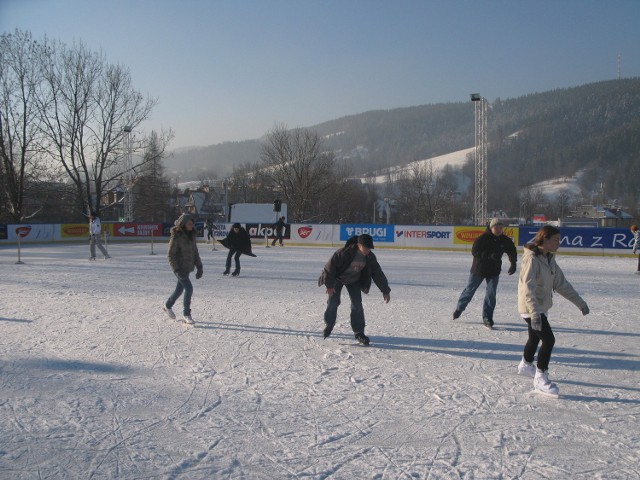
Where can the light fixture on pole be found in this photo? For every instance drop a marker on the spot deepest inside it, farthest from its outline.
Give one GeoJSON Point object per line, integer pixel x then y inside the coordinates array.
{"type": "Point", "coordinates": [480, 196]}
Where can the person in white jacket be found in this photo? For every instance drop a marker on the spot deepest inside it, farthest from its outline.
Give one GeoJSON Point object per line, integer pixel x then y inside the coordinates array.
{"type": "Point", "coordinates": [540, 276]}
{"type": "Point", "coordinates": [95, 230]}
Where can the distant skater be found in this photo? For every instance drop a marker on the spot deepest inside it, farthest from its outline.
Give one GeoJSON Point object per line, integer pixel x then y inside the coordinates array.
{"type": "Point", "coordinates": [184, 258]}
{"type": "Point", "coordinates": [540, 276]}
{"type": "Point", "coordinates": [238, 242]}
{"type": "Point", "coordinates": [95, 232]}
{"type": "Point", "coordinates": [279, 227]}
{"type": "Point", "coordinates": [487, 251]}
{"type": "Point", "coordinates": [208, 226]}
{"type": "Point", "coordinates": [636, 244]}
{"type": "Point", "coordinates": [353, 267]}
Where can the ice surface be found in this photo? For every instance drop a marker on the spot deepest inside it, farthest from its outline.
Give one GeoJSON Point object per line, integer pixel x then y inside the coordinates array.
{"type": "Point", "coordinates": [96, 382]}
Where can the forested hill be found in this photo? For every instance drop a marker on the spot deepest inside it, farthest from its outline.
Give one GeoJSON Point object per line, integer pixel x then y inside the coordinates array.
{"type": "Point", "coordinates": [531, 138]}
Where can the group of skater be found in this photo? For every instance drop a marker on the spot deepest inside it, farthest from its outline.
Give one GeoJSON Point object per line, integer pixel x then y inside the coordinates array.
{"type": "Point", "coordinates": [540, 276]}
{"type": "Point", "coordinates": [355, 267]}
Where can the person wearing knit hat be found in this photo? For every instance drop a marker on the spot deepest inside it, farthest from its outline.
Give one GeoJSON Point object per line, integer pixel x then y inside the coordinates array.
{"type": "Point", "coordinates": [487, 251]}
{"type": "Point", "coordinates": [354, 267]}
{"type": "Point", "coordinates": [183, 258]}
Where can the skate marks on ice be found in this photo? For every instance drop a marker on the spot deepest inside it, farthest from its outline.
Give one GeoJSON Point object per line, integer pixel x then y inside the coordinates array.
{"type": "Point", "coordinates": [255, 392]}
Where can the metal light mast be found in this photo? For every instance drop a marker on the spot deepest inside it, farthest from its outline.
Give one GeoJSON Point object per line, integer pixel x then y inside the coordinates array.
{"type": "Point", "coordinates": [480, 202]}
{"type": "Point", "coordinates": [128, 175]}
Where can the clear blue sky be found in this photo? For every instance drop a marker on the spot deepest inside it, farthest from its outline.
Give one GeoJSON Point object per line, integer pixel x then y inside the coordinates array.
{"type": "Point", "coordinates": [231, 70]}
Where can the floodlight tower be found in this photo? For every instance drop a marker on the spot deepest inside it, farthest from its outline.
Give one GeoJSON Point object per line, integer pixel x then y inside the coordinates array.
{"type": "Point", "coordinates": [128, 175]}
{"type": "Point", "coordinates": [480, 202]}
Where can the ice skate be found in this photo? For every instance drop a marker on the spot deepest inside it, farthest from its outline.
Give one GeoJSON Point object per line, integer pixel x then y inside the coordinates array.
{"type": "Point", "coordinates": [186, 319]}
{"type": "Point", "coordinates": [542, 384]}
{"type": "Point", "coordinates": [169, 312]}
{"type": "Point", "coordinates": [226, 272]}
{"type": "Point", "coordinates": [327, 330]}
{"type": "Point", "coordinates": [235, 273]}
{"type": "Point", "coordinates": [456, 314]}
{"type": "Point", "coordinates": [362, 338]}
{"type": "Point", "coordinates": [526, 369]}
{"type": "Point", "coordinates": [488, 323]}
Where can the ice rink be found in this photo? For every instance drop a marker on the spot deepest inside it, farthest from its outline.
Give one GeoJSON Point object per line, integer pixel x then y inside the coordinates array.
{"type": "Point", "coordinates": [96, 382]}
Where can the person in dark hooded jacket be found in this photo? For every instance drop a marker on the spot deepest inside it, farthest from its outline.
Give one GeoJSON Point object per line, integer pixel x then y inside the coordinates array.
{"type": "Point", "coordinates": [487, 251]}
{"type": "Point", "coordinates": [354, 266]}
{"type": "Point", "coordinates": [238, 242]}
{"type": "Point", "coordinates": [184, 258]}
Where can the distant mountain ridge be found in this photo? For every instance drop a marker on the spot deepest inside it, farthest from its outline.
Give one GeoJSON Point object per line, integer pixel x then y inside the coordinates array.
{"type": "Point", "coordinates": [593, 128]}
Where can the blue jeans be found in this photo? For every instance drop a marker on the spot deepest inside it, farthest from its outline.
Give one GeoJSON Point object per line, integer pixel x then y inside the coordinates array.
{"type": "Point", "coordinates": [357, 312]}
{"type": "Point", "coordinates": [183, 285]}
{"type": "Point", "coordinates": [489, 304]}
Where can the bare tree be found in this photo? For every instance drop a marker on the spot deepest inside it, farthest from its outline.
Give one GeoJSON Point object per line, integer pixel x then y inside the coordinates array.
{"type": "Point", "coordinates": [426, 196]}
{"type": "Point", "coordinates": [20, 123]}
{"type": "Point", "coordinates": [299, 167]}
{"type": "Point", "coordinates": [86, 104]}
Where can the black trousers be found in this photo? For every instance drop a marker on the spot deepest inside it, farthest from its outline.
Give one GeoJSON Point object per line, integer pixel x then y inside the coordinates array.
{"type": "Point", "coordinates": [535, 337]}
{"type": "Point", "coordinates": [231, 255]}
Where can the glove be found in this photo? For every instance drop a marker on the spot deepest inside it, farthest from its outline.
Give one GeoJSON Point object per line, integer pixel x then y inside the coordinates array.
{"type": "Point", "coordinates": [585, 310]}
{"type": "Point", "coordinates": [199, 273]}
{"type": "Point", "coordinates": [512, 269]}
{"type": "Point", "coordinates": [536, 322]}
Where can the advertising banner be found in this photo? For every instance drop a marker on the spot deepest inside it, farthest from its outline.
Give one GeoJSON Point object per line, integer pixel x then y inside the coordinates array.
{"type": "Point", "coordinates": [592, 238]}
{"type": "Point", "coordinates": [379, 233]}
{"type": "Point", "coordinates": [136, 229]}
{"type": "Point", "coordinates": [423, 236]}
{"type": "Point", "coordinates": [32, 233]}
{"type": "Point", "coordinates": [468, 235]}
{"type": "Point", "coordinates": [312, 234]}
{"type": "Point", "coordinates": [259, 230]}
{"type": "Point", "coordinates": [3, 231]}
{"type": "Point", "coordinates": [74, 230]}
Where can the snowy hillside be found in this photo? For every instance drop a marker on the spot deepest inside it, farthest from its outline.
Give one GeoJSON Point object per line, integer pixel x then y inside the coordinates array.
{"type": "Point", "coordinates": [454, 159]}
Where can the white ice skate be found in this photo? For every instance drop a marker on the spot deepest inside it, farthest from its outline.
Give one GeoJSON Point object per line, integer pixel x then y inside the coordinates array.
{"type": "Point", "coordinates": [188, 320]}
{"type": "Point", "coordinates": [543, 385]}
{"type": "Point", "coordinates": [526, 369]}
{"type": "Point", "coordinates": [169, 312]}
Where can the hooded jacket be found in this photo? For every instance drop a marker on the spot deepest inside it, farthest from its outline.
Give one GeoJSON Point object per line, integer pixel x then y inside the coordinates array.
{"type": "Point", "coordinates": [540, 276]}
{"type": "Point", "coordinates": [487, 251]}
{"type": "Point", "coordinates": [340, 261]}
{"type": "Point", "coordinates": [183, 250]}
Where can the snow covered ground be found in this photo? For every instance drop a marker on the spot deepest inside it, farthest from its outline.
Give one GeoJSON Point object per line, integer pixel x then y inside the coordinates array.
{"type": "Point", "coordinates": [95, 382]}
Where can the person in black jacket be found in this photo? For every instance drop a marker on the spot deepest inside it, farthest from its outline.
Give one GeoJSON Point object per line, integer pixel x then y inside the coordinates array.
{"type": "Point", "coordinates": [487, 253]}
{"type": "Point", "coordinates": [238, 242]}
{"type": "Point", "coordinates": [353, 266]}
{"type": "Point", "coordinates": [279, 228]}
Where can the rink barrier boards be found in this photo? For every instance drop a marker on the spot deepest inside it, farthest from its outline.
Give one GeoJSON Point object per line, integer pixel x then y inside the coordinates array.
{"type": "Point", "coordinates": [581, 240]}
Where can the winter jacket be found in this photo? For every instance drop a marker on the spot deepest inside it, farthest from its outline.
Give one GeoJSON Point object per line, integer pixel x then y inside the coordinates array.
{"type": "Point", "coordinates": [183, 251]}
{"type": "Point", "coordinates": [636, 242]}
{"type": "Point", "coordinates": [340, 261]}
{"type": "Point", "coordinates": [95, 227]}
{"type": "Point", "coordinates": [238, 242]}
{"type": "Point", "coordinates": [487, 251]}
{"type": "Point", "coordinates": [540, 276]}
{"type": "Point", "coordinates": [279, 226]}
